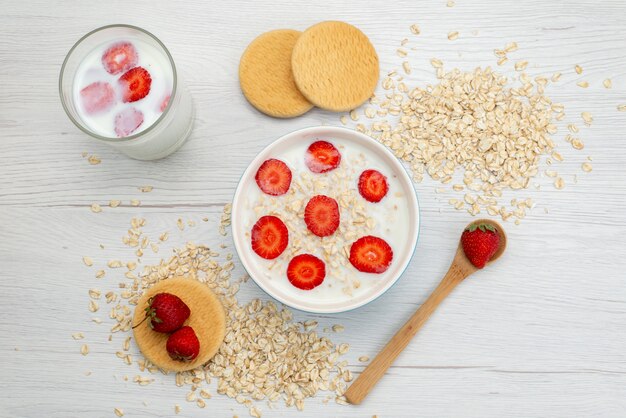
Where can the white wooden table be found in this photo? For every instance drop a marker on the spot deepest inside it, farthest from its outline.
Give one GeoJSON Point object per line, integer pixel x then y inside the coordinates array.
{"type": "Point", "coordinates": [540, 334]}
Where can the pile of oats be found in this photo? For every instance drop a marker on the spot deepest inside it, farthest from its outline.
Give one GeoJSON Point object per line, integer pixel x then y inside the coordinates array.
{"type": "Point", "coordinates": [266, 356]}
{"type": "Point", "coordinates": [495, 132]}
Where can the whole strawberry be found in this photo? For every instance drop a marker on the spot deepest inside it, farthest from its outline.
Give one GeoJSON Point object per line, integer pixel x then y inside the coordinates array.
{"type": "Point", "coordinates": [166, 312]}
{"type": "Point", "coordinates": [183, 345]}
{"type": "Point", "coordinates": [480, 242]}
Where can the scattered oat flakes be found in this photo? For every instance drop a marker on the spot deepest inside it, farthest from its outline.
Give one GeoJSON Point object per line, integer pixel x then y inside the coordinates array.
{"type": "Point", "coordinates": [555, 77]}
{"type": "Point", "coordinates": [510, 47]}
{"type": "Point", "coordinates": [502, 60]}
{"type": "Point", "coordinates": [364, 359]}
{"type": "Point", "coordinates": [415, 29]}
{"type": "Point", "coordinates": [622, 108]}
{"type": "Point", "coordinates": [401, 52]}
{"type": "Point", "coordinates": [177, 409]}
{"type": "Point", "coordinates": [94, 160]}
{"type": "Point", "coordinates": [135, 202]}
{"type": "Point", "coordinates": [338, 328]}
{"type": "Point", "coordinates": [587, 167]}
{"type": "Point", "coordinates": [607, 83]}
{"type": "Point", "coordinates": [88, 261]}
{"type": "Point", "coordinates": [406, 67]}
{"type": "Point", "coordinates": [559, 183]}
{"type": "Point", "coordinates": [100, 274]}
{"type": "Point", "coordinates": [114, 203]}
{"type": "Point", "coordinates": [521, 65]}
{"type": "Point", "coordinates": [78, 336]}
{"type": "Point", "coordinates": [146, 189]}
{"type": "Point", "coordinates": [587, 118]}
{"type": "Point", "coordinates": [93, 306]}
{"type": "Point", "coordinates": [578, 69]}
{"type": "Point", "coordinates": [119, 412]}
{"type": "Point", "coordinates": [453, 35]}
{"type": "Point", "coordinates": [344, 119]}
{"type": "Point", "coordinates": [450, 3]}
{"type": "Point", "coordinates": [96, 208]}
{"type": "Point", "coordinates": [84, 349]}
{"type": "Point", "coordinates": [583, 84]}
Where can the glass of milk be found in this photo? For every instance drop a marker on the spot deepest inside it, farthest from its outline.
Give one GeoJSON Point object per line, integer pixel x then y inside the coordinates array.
{"type": "Point", "coordinates": [119, 85]}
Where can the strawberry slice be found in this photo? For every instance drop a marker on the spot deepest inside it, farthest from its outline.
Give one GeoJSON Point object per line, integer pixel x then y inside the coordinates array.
{"type": "Point", "coordinates": [97, 97]}
{"type": "Point", "coordinates": [269, 237]}
{"type": "Point", "coordinates": [127, 121]}
{"type": "Point", "coordinates": [373, 185]}
{"type": "Point", "coordinates": [321, 215]}
{"type": "Point", "coordinates": [135, 84]}
{"type": "Point", "coordinates": [305, 271]}
{"type": "Point", "coordinates": [371, 254]}
{"type": "Point", "coordinates": [273, 177]}
{"type": "Point", "coordinates": [119, 57]}
{"type": "Point", "coordinates": [164, 103]}
{"type": "Point", "coordinates": [322, 156]}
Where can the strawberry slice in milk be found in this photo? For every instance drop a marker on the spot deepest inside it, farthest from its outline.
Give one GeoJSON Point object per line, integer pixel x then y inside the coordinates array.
{"type": "Point", "coordinates": [121, 86]}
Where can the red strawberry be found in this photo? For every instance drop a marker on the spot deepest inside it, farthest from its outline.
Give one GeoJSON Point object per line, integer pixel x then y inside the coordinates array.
{"type": "Point", "coordinates": [273, 177]}
{"type": "Point", "coordinates": [135, 84]}
{"type": "Point", "coordinates": [269, 237]}
{"type": "Point", "coordinates": [127, 121]}
{"type": "Point", "coordinates": [119, 57]}
{"type": "Point", "coordinates": [373, 185]}
{"type": "Point", "coordinates": [166, 312]}
{"type": "Point", "coordinates": [183, 345]}
{"type": "Point", "coordinates": [305, 271]}
{"type": "Point", "coordinates": [322, 156]}
{"type": "Point", "coordinates": [480, 242]}
{"type": "Point", "coordinates": [321, 215]}
{"type": "Point", "coordinates": [164, 103]}
{"type": "Point", "coordinates": [371, 254]}
{"type": "Point", "coordinates": [97, 97]}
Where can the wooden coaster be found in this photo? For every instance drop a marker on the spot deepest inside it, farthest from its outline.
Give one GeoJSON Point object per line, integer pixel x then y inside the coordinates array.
{"type": "Point", "coordinates": [335, 66]}
{"type": "Point", "coordinates": [265, 75]}
{"type": "Point", "coordinates": [207, 319]}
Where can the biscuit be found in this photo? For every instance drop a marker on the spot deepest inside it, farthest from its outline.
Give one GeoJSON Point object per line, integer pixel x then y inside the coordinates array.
{"type": "Point", "coordinates": [335, 66]}
{"type": "Point", "coordinates": [207, 319]}
{"type": "Point", "coordinates": [265, 75]}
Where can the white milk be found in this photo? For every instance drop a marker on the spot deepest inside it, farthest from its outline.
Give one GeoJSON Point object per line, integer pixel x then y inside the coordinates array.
{"type": "Point", "coordinates": [391, 216]}
{"type": "Point", "coordinates": [91, 70]}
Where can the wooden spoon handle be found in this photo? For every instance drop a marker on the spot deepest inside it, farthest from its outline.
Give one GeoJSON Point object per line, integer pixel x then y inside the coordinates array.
{"type": "Point", "coordinates": [377, 368]}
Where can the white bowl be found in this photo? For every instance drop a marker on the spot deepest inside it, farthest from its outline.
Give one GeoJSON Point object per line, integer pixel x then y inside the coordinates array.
{"type": "Point", "coordinates": [299, 300]}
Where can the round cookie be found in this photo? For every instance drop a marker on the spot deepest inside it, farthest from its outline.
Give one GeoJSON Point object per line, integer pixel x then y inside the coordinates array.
{"type": "Point", "coordinates": [335, 66]}
{"type": "Point", "coordinates": [207, 319]}
{"type": "Point", "coordinates": [265, 75]}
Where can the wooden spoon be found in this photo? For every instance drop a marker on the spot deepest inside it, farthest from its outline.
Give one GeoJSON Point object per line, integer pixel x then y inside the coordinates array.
{"type": "Point", "coordinates": [460, 268]}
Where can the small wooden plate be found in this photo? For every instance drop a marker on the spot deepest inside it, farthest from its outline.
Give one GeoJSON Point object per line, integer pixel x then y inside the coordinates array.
{"type": "Point", "coordinates": [207, 318]}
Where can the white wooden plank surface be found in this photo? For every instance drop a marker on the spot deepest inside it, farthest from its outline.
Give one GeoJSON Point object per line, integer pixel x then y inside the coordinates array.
{"type": "Point", "coordinates": [541, 334]}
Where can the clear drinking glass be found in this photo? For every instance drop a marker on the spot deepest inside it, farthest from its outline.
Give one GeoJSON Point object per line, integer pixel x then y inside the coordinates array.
{"type": "Point", "coordinates": [167, 133]}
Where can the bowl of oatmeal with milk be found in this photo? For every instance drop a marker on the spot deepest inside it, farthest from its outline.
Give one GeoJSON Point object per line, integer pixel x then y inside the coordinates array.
{"type": "Point", "coordinates": [325, 219]}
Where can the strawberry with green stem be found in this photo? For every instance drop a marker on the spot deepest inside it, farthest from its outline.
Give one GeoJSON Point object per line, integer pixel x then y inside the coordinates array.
{"type": "Point", "coordinates": [166, 313]}
{"type": "Point", "coordinates": [480, 241]}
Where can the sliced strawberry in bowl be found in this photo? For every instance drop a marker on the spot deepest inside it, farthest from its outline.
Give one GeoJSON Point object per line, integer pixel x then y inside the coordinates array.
{"type": "Point", "coordinates": [306, 272]}
{"type": "Point", "coordinates": [373, 185]}
{"type": "Point", "coordinates": [371, 254]}
{"type": "Point", "coordinates": [127, 121]}
{"type": "Point", "coordinates": [321, 215]}
{"type": "Point", "coordinates": [322, 156]}
{"type": "Point", "coordinates": [273, 177]}
{"type": "Point", "coordinates": [97, 97]}
{"type": "Point", "coordinates": [119, 57]}
{"type": "Point", "coordinates": [164, 103]}
{"type": "Point", "coordinates": [135, 84]}
{"type": "Point", "coordinates": [269, 237]}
